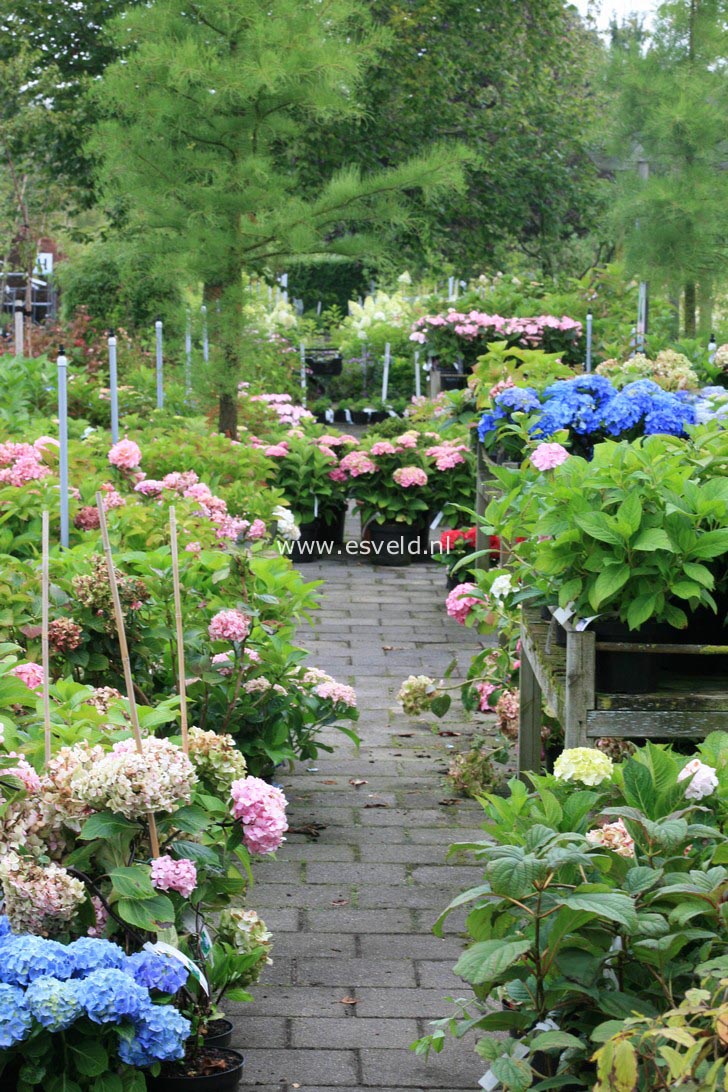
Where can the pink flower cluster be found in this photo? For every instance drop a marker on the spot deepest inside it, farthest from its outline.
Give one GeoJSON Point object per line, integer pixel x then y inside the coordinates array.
{"type": "Point", "coordinates": [112, 498]}
{"type": "Point", "coordinates": [447, 454]}
{"type": "Point", "coordinates": [485, 689]}
{"type": "Point", "coordinates": [477, 324]}
{"type": "Point", "coordinates": [548, 456]}
{"type": "Point", "coordinates": [329, 440]}
{"type": "Point", "coordinates": [357, 463]}
{"type": "Point", "coordinates": [31, 674]}
{"type": "Point", "coordinates": [261, 808]}
{"type": "Point", "coordinates": [169, 874]}
{"type": "Point", "coordinates": [460, 602]}
{"type": "Point", "coordinates": [384, 447]}
{"type": "Point", "coordinates": [288, 412]}
{"type": "Point", "coordinates": [229, 625]}
{"type": "Point", "coordinates": [187, 484]}
{"type": "Point", "coordinates": [277, 451]}
{"type": "Point", "coordinates": [407, 476]}
{"type": "Point", "coordinates": [337, 692]}
{"type": "Point", "coordinates": [21, 463]}
{"type": "Point", "coordinates": [125, 455]}
{"type": "Point", "coordinates": [614, 836]}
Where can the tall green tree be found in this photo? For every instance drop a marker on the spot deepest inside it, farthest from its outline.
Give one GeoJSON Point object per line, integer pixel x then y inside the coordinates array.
{"type": "Point", "coordinates": [671, 111]}
{"type": "Point", "coordinates": [66, 39]}
{"type": "Point", "coordinates": [512, 81]}
{"type": "Point", "coordinates": [200, 117]}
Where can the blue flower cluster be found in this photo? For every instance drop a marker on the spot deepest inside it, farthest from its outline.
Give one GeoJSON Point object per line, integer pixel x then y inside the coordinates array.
{"type": "Point", "coordinates": [55, 985]}
{"type": "Point", "coordinates": [590, 406]}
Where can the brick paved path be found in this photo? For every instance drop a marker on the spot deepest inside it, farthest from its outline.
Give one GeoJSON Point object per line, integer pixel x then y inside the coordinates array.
{"type": "Point", "coordinates": [352, 911]}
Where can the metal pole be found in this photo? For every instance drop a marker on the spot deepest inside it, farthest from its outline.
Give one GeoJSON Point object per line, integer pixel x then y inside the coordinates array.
{"type": "Point", "coordinates": [588, 341]}
{"type": "Point", "coordinates": [641, 317]}
{"type": "Point", "coordinates": [113, 389]}
{"type": "Point", "coordinates": [205, 342]}
{"type": "Point", "coordinates": [19, 318]}
{"type": "Point", "coordinates": [385, 373]}
{"type": "Point", "coordinates": [712, 349]}
{"type": "Point", "coordinates": [188, 354]}
{"type": "Point", "coordinates": [62, 365]}
{"type": "Point", "coordinates": [160, 376]}
{"type": "Point", "coordinates": [418, 377]}
{"type": "Point", "coordinates": [303, 373]}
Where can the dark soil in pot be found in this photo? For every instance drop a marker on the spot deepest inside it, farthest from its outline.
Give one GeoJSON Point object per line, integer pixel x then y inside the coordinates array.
{"type": "Point", "coordinates": [213, 1070]}
{"type": "Point", "coordinates": [392, 543]}
{"type": "Point", "coordinates": [453, 381]}
{"type": "Point", "coordinates": [219, 1033]}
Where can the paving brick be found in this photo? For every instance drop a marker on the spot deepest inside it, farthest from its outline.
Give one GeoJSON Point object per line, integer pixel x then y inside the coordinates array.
{"type": "Point", "coordinates": [417, 897]}
{"type": "Point", "coordinates": [317, 1002]}
{"type": "Point", "coordinates": [250, 1032]}
{"type": "Point", "coordinates": [422, 946]}
{"type": "Point", "coordinates": [426, 1004]}
{"type": "Point", "coordinates": [460, 877]}
{"type": "Point", "coordinates": [325, 945]}
{"type": "Point", "coordinates": [438, 974]}
{"type": "Point", "coordinates": [356, 972]}
{"type": "Point", "coordinates": [378, 1033]}
{"type": "Point", "coordinates": [388, 1067]}
{"type": "Point", "coordinates": [338, 1068]}
{"type": "Point", "coordinates": [277, 895]}
{"type": "Point", "coordinates": [355, 873]}
{"type": "Point", "coordinates": [344, 920]}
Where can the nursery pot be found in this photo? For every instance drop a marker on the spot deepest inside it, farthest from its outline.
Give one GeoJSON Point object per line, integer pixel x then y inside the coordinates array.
{"type": "Point", "coordinates": [324, 362]}
{"type": "Point", "coordinates": [174, 1079]}
{"type": "Point", "coordinates": [219, 1033]}
{"type": "Point", "coordinates": [453, 381]}
{"type": "Point", "coordinates": [392, 543]}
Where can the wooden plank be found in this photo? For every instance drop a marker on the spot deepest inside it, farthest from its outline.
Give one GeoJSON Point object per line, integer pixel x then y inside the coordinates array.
{"type": "Point", "coordinates": [550, 681]}
{"type": "Point", "coordinates": [580, 692]}
{"type": "Point", "coordinates": [663, 648]}
{"type": "Point", "coordinates": [692, 697]}
{"type": "Point", "coordinates": [655, 723]}
{"type": "Point", "coordinates": [529, 733]}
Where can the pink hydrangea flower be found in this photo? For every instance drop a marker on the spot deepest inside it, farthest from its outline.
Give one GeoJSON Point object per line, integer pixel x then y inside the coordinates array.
{"type": "Point", "coordinates": [277, 451]}
{"type": "Point", "coordinates": [193, 548]}
{"type": "Point", "coordinates": [548, 456]}
{"type": "Point", "coordinates": [169, 874]}
{"type": "Point", "coordinates": [614, 836]}
{"type": "Point", "coordinates": [383, 447]}
{"type": "Point", "coordinates": [229, 625]}
{"type": "Point", "coordinates": [407, 439]}
{"type": "Point", "coordinates": [101, 915]}
{"type": "Point", "coordinates": [261, 808]}
{"type": "Point", "coordinates": [485, 689]}
{"type": "Point", "coordinates": [337, 475]}
{"type": "Point", "coordinates": [148, 487]}
{"type": "Point", "coordinates": [408, 476]}
{"type": "Point", "coordinates": [337, 692]}
{"type": "Point", "coordinates": [224, 662]}
{"type": "Point", "coordinates": [257, 530]}
{"type": "Point", "coordinates": [356, 463]}
{"type": "Point", "coordinates": [31, 674]}
{"type": "Point", "coordinates": [126, 455]}
{"type": "Point", "coordinates": [460, 602]}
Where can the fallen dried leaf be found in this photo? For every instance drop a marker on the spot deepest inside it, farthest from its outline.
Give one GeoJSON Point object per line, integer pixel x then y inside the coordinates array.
{"type": "Point", "coordinates": [339, 902]}
{"type": "Point", "coordinates": [376, 805]}
{"type": "Point", "coordinates": [387, 648]}
{"type": "Point", "coordinates": [357, 782]}
{"type": "Point", "coordinates": [348, 1001]}
{"type": "Point", "coordinates": [450, 802]}
{"type": "Point", "coordinates": [330, 781]}
{"type": "Point", "coordinates": [405, 735]}
{"type": "Point", "coordinates": [447, 732]}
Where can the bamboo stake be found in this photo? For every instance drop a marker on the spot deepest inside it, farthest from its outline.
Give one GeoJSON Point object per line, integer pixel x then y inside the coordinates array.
{"type": "Point", "coordinates": [180, 629]}
{"type": "Point", "coordinates": [124, 649]}
{"type": "Point", "coordinates": [45, 596]}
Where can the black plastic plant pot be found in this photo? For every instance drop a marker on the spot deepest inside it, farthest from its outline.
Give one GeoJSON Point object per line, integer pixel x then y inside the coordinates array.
{"type": "Point", "coordinates": [453, 381]}
{"type": "Point", "coordinates": [308, 546]}
{"type": "Point", "coordinates": [324, 363]}
{"type": "Point", "coordinates": [174, 1079]}
{"type": "Point", "coordinates": [393, 543]}
{"type": "Point", "coordinates": [219, 1033]}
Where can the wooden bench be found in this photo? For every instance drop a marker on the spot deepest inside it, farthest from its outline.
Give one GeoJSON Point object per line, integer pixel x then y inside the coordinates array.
{"type": "Point", "coordinates": [685, 706]}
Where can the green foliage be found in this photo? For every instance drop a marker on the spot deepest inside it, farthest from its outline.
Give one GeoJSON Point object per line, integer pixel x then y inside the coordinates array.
{"type": "Point", "coordinates": [640, 531]}
{"type": "Point", "coordinates": [581, 940]}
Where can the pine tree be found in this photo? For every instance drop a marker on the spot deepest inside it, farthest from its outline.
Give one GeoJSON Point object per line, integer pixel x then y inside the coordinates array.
{"type": "Point", "coordinates": [671, 109]}
{"type": "Point", "coordinates": [200, 115]}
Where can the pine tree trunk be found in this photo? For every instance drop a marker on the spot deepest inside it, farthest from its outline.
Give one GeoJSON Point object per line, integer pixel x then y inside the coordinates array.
{"type": "Point", "coordinates": [227, 421]}
{"type": "Point", "coordinates": [690, 309]}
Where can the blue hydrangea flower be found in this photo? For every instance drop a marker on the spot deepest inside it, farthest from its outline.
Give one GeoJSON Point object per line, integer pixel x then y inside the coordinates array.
{"type": "Point", "coordinates": [5, 929]}
{"type": "Point", "coordinates": [157, 971]}
{"type": "Point", "coordinates": [109, 995]}
{"type": "Point", "coordinates": [509, 401]}
{"type": "Point", "coordinates": [94, 954]}
{"type": "Point", "coordinates": [578, 404]}
{"type": "Point", "coordinates": [160, 1033]}
{"type": "Point", "coordinates": [54, 1004]}
{"type": "Point", "coordinates": [15, 1020]}
{"type": "Point", "coordinates": [25, 958]}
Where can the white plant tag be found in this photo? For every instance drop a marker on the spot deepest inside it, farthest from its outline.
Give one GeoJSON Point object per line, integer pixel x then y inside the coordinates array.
{"type": "Point", "coordinates": [437, 520]}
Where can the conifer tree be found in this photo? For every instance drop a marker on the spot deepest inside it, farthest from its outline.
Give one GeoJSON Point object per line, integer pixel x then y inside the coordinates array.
{"type": "Point", "coordinates": [201, 114]}
{"type": "Point", "coordinates": [672, 111]}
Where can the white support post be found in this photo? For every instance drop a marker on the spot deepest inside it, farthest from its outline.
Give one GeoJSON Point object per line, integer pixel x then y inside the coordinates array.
{"type": "Point", "coordinates": [19, 330]}
{"type": "Point", "coordinates": [385, 373]}
{"type": "Point", "coordinates": [303, 373]}
{"type": "Point", "coordinates": [62, 365]}
{"type": "Point", "coordinates": [188, 354]}
{"type": "Point", "coordinates": [113, 389]}
{"type": "Point", "coordinates": [418, 376]}
{"type": "Point", "coordinates": [160, 365]}
{"type": "Point", "coordinates": [588, 341]}
{"type": "Point", "coordinates": [205, 342]}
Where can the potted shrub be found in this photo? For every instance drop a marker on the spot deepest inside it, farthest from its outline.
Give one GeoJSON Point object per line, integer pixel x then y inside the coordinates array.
{"type": "Point", "coordinates": [609, 538]}
{"type": "Point", "coordinates": [308, 475]}
{"type": "Point", "coordinates": [598, 900]}
{"type": "Point", "coordinates": [389, 483]}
